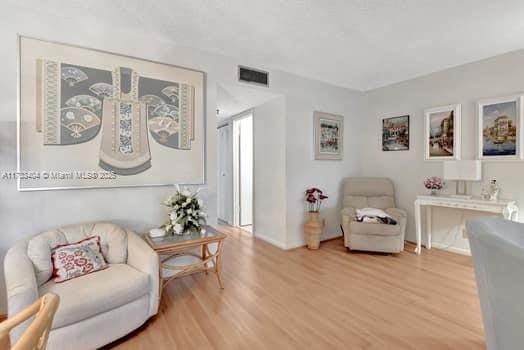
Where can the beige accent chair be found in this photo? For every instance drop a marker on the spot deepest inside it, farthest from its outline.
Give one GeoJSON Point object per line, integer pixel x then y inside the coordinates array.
{"type": "Point", "coordinates": [95, 309]}
{"type": "Point", "coordinates": [371, 192]}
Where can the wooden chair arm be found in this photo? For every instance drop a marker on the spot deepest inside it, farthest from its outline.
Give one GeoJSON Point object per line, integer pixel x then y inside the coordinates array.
{"type": "Point", "coordinates": [35, 337]}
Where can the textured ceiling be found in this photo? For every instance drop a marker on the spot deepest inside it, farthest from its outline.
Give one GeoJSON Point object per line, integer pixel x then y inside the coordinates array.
{"type": "Point", "coordinates": [360, 44]}
{"type": "Point", "coordinates": [234, 99]}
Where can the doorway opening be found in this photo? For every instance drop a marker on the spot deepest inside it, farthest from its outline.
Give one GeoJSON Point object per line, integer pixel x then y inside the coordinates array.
{"type": "Point", "coordinates": [237, 110]}
{"type": "Point", "coordinates": [243, 171]}
{"type": "Point", "coordinates": [235, 171]}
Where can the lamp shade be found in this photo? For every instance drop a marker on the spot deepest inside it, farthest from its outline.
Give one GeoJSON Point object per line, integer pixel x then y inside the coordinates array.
{"type": "Point", "coordinates": [463, 170]}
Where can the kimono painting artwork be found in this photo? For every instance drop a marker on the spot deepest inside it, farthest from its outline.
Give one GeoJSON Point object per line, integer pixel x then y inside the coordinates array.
{"type": "Point", "coordinates": [122, 120]}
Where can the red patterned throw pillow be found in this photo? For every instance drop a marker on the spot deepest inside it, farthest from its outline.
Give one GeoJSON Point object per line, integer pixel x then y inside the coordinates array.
{"type": "Point", "coordinates": [77, 259]}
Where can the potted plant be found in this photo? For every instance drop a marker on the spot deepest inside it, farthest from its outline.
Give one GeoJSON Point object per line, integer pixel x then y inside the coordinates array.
{"type": "Point", "coordinates": [186, 214]}
{"type": "Point", "coordinates": [313, 227]}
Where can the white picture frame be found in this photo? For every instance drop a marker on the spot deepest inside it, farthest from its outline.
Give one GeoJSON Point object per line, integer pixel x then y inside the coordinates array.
{"type": "Point", "coordinates": [491, 145]}
{"type": "Point", "coordinates": [328, 136]}
{"type": "Point", "coordinates": [437, 148]}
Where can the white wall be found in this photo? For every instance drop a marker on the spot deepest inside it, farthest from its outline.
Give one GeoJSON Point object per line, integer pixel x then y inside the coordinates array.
{"type": "Point", "coordinates": [23, 214]}
{"type": "Point", "coordinates": [284, 158]}
{"type": "Point", "coordinates": [302, 171]}
{"type": "Point", "coordinates": [498, 76]}
{"type": "Point", "coordinates": [269, 127]}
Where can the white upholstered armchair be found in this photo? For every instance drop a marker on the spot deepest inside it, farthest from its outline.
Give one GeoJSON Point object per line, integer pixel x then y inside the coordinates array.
{"type": "Point", "coordinates": [371, 192]}
{"type": "Point", "coordinates": [94, 309]}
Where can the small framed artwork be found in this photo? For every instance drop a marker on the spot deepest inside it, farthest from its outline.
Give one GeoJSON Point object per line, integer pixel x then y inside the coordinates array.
{"type": "Point", "coordinates": [329, 136]}
{"type": "Point", "coordinates": [395, 133]}
{"type": "Point", "coordinates": [442, 133]}
{"type": "Point", "coordinates": [500, 127]}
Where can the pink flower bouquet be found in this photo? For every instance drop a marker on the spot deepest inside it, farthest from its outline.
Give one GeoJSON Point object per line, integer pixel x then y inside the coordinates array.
{"type": "Point", "coordinates": [434, 184]}
{"type": "Point", "coordinates": [314, 198]}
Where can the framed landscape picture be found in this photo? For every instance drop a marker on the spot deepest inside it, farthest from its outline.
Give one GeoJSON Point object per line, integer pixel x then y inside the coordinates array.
{"type": "Point", "coordinates": [500, 128]}
{"type": "Point", "coordinates": [89, 118]}
{"type": "Point", "coordinates": [442, 133]}
{"type": "Point", "coordinates": [395, 133]}
{"type": "Point", "coordinates": [329, 136]}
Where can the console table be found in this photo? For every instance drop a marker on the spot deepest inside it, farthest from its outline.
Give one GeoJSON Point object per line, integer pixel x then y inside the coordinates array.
{"type": "Point", "coordinates": [507, 208]}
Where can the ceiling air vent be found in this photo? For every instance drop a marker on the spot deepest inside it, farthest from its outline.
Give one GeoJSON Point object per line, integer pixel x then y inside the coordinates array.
{"type": "Point", "coordinates": [253, 76]}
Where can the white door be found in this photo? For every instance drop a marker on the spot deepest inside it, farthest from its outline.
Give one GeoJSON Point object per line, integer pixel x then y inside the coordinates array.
{"type": "Point", "coordinates": [225, 178]}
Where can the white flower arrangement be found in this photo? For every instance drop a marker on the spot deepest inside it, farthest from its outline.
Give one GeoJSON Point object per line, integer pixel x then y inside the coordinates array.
{"type": "Point", "coordinates": [187, 213]}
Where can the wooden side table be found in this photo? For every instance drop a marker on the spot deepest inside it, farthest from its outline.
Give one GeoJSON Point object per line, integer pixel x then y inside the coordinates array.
{"type": "Point", "coordinates": [171, 247]}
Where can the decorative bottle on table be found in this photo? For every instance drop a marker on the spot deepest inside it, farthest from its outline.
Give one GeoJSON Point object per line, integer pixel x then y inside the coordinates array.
{"type": "Point", "coordinates": [313, 226]}
{"type": "Point", "coordinates": [491, 192]}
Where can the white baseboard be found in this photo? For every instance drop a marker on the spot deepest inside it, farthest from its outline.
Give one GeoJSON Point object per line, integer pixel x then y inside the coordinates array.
{"type": "Point", "coordinates": [462, 251]}
{"type": "Point", "coordinates": [271, 241]}
{"type": "Point", "coordinates": [295, 244]}
{"type": "Point", "coordinates": [301, 242]}
{"type": "Point", "coordinates": [327, 237]}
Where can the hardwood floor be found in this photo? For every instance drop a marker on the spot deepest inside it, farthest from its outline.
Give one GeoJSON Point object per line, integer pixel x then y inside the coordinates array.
{"type": "Point", "coordinates": [325, 299]}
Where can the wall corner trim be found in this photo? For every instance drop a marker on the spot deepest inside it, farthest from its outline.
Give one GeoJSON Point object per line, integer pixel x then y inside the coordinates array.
{"type": "Point", "coordinates": [271, 241]}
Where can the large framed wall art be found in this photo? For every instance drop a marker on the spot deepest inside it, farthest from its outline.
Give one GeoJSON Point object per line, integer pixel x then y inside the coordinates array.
{"type": "Point", "coordinates": [442, 133]}
{"type": "Point", "coordinates": [90, 118]}
{"type": "Point", "coordinates": [500, 123]}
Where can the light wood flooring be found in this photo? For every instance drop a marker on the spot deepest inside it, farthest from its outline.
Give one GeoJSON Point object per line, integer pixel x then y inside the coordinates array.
{"type": "Point", "coordinates": [325, 299]}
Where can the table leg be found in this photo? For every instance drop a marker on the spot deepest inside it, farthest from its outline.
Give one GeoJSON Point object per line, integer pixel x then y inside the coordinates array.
{"type": "Point", "coordinates": [428, 226]}
{"type": "Point", "coordinates": [418, 228]}
{"type": "Point", "coordinates": [160, 281]}
{"type": "Point", "coordinates": [511, 212]}
{"type": "Point", "coordinates": [204, 256]}
{"type": "Point", "coordinates": [218, 264]}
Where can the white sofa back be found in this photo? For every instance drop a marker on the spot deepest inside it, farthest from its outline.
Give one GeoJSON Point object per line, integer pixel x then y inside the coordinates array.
{"type": "Point", "coordinates": [113, 241]}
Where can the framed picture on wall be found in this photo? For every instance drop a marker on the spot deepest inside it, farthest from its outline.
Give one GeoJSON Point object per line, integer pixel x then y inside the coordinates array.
{"type": "Point", "coordinates": [442, 133]}
{"type": "Point", "coordinates": [395, 133]}
{"type": "Point", "coordinates": [329, 136]}
{"type": "Point", "coordinates": [89, 119]}
{"type": "Point", "coordinates": [500, 128]}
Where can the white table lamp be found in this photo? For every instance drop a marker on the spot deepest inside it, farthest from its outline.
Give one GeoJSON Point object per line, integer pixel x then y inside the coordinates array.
{"type": "Point", "coordinates": [462, 171]}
